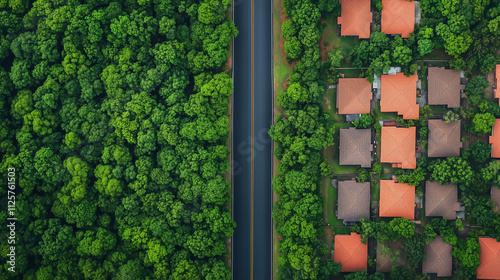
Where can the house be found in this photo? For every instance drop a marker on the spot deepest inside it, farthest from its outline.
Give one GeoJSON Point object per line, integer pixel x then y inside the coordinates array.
{"type": "Point", "coordinates": [355, 147]}
{"type": "Point", "coordinates": [443, 87]}
{"type": "Point", "coordinates": [350, 252]}
{"type": "Point", "coordinates": [353, 201]}
{"type": "Point", "coordinates": [497, 80]}
{"type": "Point", "coordinates": [398, 147]}
{"type": "Point", "coordinates": [355, 18]}
{"type": "Point", "coordinates": [489, 259]}
{"type": "Point", "coordinates": [444, 139]}
{"type": "Point", "coordinates": [384, 251]}
{"type": "Point", "coordinates": [441, 200]}
{"type": "Point", "coordinates": [495, 140]}
{"type": "Point", "coordinates": [398, 17]}
{"type": "Point", "coordinates": [495, 197]}
{"type": "Point", "coordinates": [398, 93]}
{"type": "Point", "coordinates": [354, 96]}
{"type": "Point", "coordinates": [438, 258]}
{"type": "Point", "coordinates": [397, 200]}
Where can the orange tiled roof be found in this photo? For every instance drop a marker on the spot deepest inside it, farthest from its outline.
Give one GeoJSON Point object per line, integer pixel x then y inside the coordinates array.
{"type": "Point", "coordinates": [399, 94]}
{"type": "Point", "coordinates": [497, 77]}
{"type": "Point", "coordinates": [489, 259]}
{"type": "Point", "coordinates": [398, 17]}
{"type": "Point", "coordinates": [354, 96]}
{"type": "Point", "coordinates": [495, 140]}
{"type": "Point", "coordinates": [355, 18]}
{"type": "Point", "coordinates": [397, 200]}
{"type": "Point", "coordinates": [398, 147]}
{"type": "Point", "coordinates": [350, 252]}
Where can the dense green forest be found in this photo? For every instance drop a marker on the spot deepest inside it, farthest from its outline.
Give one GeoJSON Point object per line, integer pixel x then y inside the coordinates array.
{"type": "Point", "coordinates": [115, 116]}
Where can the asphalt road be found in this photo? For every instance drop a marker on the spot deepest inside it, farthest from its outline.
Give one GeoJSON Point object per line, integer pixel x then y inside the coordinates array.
{"type": "Point", "coordinates": [252, 117]}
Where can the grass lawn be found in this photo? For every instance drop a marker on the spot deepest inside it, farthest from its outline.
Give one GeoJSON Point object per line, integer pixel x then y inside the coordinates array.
{"type": "Point", "coordinates": [281, 70]}
{"type": "Point", "coordinates": [352, 73]}
{"type": "Point", "coordinates": [329, 105]}
{"type": "Point", "coordinates": [438, 109]}
{"type": "Point", "coordinates": [330, 35]}
{"type": "Point", "coordinates": [332, 154]}
{"type": "Point", "coordinates": [330, 214]}
{"type": "Point", "coordinates": [375, 190]}
{"type": "Point", "coordinates": [384, 115]}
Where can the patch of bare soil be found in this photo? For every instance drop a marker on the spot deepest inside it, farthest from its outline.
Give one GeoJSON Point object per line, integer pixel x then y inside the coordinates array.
{"type": "Point", "coordinates": [324, 49]}
{"type": "Point", "coordinates": [491, 79]}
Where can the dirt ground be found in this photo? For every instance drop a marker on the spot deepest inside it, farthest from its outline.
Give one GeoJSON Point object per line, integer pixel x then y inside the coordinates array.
{"type": "Point", "coordinates": [324, 50]}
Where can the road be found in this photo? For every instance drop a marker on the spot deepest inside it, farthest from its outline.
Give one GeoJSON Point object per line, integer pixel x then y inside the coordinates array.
{"type": "Point", "coordinates": [252, 117]}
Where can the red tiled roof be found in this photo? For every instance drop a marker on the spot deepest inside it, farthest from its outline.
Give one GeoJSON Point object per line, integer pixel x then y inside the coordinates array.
{"type": "Point", "coordinates": [398, 17]}
{"type": "Point", "coordinates": [497, 78]}
{"type": "Point", "coordinates": [355, 18]}
{"type": "Point", "coordinates": [398, 93]}
{"type": "Point", "coordinates": [495, 140]}
{"type": "Point", "coordinates": [354, 96]}
{"type": "Point", "coordinates": [397, 200]}
{"type": "Point", "coordinates": [489, 259]}
{"type": "Point", "coordinates": [398, 147]}
{"type": "Point", "coordinates": [351, 252]}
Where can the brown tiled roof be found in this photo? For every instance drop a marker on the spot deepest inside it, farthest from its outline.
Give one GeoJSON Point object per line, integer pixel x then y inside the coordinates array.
{"type": "Point", "coordinates": [397, 200]}
{"type": "Point", "coordinates": [355, 147]}
{"type": "Point", "coordinates": [441, 200]}
{"type": "Point", "coordinates": [489, 259]}
{"type": "Point", "coordinates": [354, 96]}
{"type": "Point", "coordinates": [350, 252]}
{"type": "Point", "coordinates": [398, 17]}
{"type": "Point", "coordinates": [497, 78]}
{"type": "Point", "coordinates": [384, 263]}
{"type": "Point", "coordinates": [438, 258]}
{"type": "Point", "coordinates": [353, 201]}
{"type": "Point", "coordinates": [444, 87]}
{"type": "Point", "coordinates": [398, 147]}
{"type": "Point", "coordinates": [398, 93]}
{"type": "Point", "coordinates": [495, 197]}
{"type": "Point", "coordinates": [444, 139]}
{"type": "Point", "coordinates": [355, 18]}
{"type": "Point", "coordinates": [495, 140]}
